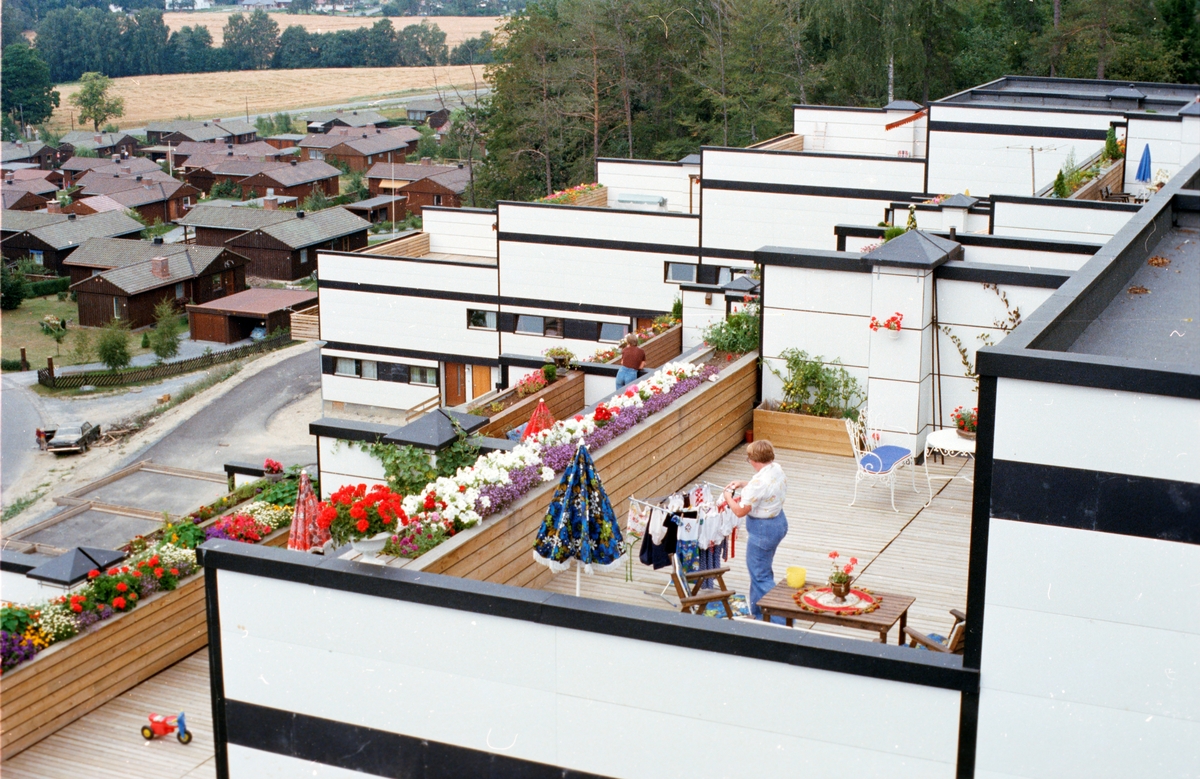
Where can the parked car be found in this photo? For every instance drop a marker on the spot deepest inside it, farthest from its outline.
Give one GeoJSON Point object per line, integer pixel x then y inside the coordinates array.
{"type": "Point", "coordinates": [72, 439]}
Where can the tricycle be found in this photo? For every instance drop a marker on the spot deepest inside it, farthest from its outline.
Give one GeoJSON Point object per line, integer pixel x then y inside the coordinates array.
{"type": "Point", "coordinates": [163, 725]}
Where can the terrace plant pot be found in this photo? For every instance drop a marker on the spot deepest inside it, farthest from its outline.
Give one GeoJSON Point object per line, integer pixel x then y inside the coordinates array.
{"type": "Point", "coordinates": [370, 547]}
{"type": "Point", "coordinates": [802, 432]}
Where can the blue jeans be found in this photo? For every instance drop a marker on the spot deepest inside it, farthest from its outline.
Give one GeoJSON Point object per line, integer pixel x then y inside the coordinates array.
{"type": "Point", "coordinates": [626, 376]}
{"type": "Point", "coordinates": [765, 536]}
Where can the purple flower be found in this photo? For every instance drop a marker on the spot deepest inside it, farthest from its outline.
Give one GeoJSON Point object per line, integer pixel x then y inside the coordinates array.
{"type": "Point", "coordinates": [15, 649]}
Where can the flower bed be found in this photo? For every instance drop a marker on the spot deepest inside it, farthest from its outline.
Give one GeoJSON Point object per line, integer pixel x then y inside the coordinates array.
{"type": "Point", "coordinates": [593, 194]}
{"type": "Point", "coordinates": [498, 479]}
{"type": "Point", "coordinates": [563, 397]}
{"type": "Point", "coordinates": [644, 336]}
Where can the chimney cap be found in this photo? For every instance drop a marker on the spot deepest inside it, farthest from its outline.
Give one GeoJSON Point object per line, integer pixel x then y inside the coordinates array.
{"type": "Point", "coordinates": [299, 214]}
{"type": "Point", "coordinates": [70, 217]}
{"type": "Point", "coordinates": [158, 240]}
{"type": "Point", "coordinates": [138, 177]}
{"type": "Point", "coordinates": [294, 163]}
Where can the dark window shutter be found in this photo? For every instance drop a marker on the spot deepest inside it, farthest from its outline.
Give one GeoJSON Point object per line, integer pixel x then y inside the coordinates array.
{"type": "Point", "coordinates": [327, 364]}
{"type": "Point", "coordinates": [398, 373]}
{"type": "Point", "coordinates": [383, 371]}
{"type": "Point", "coordinates": [707, 274]}
{"type": "Point", "coordinates": [582, 330]}
{"type": "Point", "coordinates": [508, 322]}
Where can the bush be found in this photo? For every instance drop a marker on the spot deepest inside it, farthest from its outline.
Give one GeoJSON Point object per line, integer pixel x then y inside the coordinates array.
{"type": "Point", "coordinates": [164, 340]}
{"type": "Point", "coordinates": [1060, 186]}
{"type": "Point", "coordinates": [10, 365]}
{"type": "Point", "coordinates": [146, 340]}
{"type": "Point", "coordinates": [38, 289]}
{"type": "Point", "coordinates": [112, 346]}
{"type": "Point", "coordinates": [677, 309]}
{"type": "Point", "coordinates": [739, 332]}
{"type": "Point", "coordinates": [13, 289]}
{"type": "Point", "coordinates": [817, 388]}
{"type": "Point", "coordinates": [550, 373]}
{"type": "Point", "coordinates": [1112, 149]}
{"type": "Point", "coordinates": [82, 349]}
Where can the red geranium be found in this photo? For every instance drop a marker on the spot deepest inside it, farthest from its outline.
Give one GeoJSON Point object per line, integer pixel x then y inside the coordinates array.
{"type": "Point", "coordinates": [122, 586]}
{"type": "Point", "coordinates": [353, 513]}
{"type": "Point", "coordinates": [174, 571]}
{"type": "Point", "coordinates": [158, 572]}
{"type": "Point", "coordinates": [118, 603]}
{"type": "Point", "coordinates": [93, 574]}
{"type": "Point", "coordinates": [362, 525]}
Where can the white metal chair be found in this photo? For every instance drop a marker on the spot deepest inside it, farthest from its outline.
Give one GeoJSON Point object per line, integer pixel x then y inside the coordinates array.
{"type": "Point", "coordinates": [877, 463]}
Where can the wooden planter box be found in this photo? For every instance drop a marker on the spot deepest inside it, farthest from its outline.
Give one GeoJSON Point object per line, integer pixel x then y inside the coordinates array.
{"type": "Point", "coordinates": [802, 432]}
{"type": "Point", "coordinates": [564, 397]}
{"type": "Point", "coordinates": [78, 675]}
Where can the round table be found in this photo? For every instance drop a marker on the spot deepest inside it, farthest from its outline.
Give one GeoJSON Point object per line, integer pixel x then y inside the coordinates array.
{"type": "Point", "coordinates": [946, 442]}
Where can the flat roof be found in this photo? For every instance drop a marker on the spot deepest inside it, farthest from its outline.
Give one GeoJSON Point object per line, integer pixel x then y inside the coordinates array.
{"type": "Point", "coordinates": [258, 302]}
{"type": "Point", "coordinates": [1118, 96]}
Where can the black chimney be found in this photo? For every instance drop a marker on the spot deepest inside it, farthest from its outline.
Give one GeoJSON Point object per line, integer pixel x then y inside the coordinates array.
{"type": "Point", "coordinates": [299, 214]}
{"type": "Point", "coordinates": [158, 240]}
{"type": "Point", "coordinates": [70, 217]}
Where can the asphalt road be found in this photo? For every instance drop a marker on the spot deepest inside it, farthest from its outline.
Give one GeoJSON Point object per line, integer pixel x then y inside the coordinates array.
{"type": "Point", "coordinates": [19, 419]}
{"type": "Point", "coordinates": [235, 427]}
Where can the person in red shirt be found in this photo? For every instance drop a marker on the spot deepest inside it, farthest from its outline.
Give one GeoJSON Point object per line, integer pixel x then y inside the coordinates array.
{"type": "Point", "coordinates": [633, 359]}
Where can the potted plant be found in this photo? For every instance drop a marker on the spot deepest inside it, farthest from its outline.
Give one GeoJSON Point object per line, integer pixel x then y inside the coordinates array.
{"type": "Point", "coordinates": [966, 422]}
{"type": "Point", "coordinates": [364, 518]}
{"type": "Point", "coordinates": [817, 397]}
{"type": "Point", "coordinates": [530, 384]}
{"type": "Point", "coordinates": [272, 469]}
{"type": "Point", "coordinates": [840, 577]}
{"type": "Point", "coordinates": [561, 356]}
{"type": "Point", "coordinates": [890, 326]}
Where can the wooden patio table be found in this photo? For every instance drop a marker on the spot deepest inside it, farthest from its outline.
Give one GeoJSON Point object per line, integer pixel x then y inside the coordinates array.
{"type": "Point", "coordinates": [893, 609]}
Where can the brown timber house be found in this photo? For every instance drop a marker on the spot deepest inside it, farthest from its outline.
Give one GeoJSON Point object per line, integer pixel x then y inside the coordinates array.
{"type": "Point", "coordinates": [288, 250]}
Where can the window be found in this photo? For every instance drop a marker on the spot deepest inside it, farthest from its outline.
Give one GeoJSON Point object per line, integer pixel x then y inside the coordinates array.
{"type": "Point", "coordinates": [116, 308]}
{"type": "Point", "coordinates": [437, 200]}
{"type": "Point", "coordinates": [530, 325]}
{"type": "Point", "coordinates": [179, 291]}
{"type": "Point", "coordinates": [36, 256]}
{"type": "Point", "coordinates": [554, 328]}
{"type": "Point", "coordinates": [481, 320]}
{"type": "Point", "coordinates": [610, 331]}
{"type": "Point", "coordinates": [187, 201]}
{"type": "Point", "coordinates": [368, 369]}
{"type": "Point", "coordinates": [217, 282]}
{"type": "Point", "coordinates": [316, 155]}
{"type": "Point", "coordinates": [426, 376]}
{"type": "Point", "coordinates": [303, 256]}
{"type": "Point", "coordinates": [368, 159]}
{"type": "Point", "coordinates": [681, 272]}
{"type": "Point", "coordinates": [344, 366]}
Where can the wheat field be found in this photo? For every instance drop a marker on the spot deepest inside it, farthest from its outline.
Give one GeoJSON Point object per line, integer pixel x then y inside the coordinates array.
{"type": "Point", "coordinates": [457, 28]}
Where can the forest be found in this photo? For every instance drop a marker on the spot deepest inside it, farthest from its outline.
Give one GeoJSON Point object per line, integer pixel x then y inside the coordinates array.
{"type": "Point", "coordinates": [574, 80]}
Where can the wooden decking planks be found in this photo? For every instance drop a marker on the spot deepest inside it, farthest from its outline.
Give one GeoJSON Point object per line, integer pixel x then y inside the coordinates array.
{"type": "Point", "coordinates": [107, 742]}
{"type": "Point", "coordinates": [920, 551]}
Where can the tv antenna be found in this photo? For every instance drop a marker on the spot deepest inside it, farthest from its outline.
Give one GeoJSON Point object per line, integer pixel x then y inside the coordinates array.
{"type": "Point", "coordinates": [1032, 163]}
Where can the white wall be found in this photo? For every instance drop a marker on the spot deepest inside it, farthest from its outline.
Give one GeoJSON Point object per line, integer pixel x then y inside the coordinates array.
{"type": "Point", "coordinates": [1173, 144]}
{"type": "Point", "coordinates": [400, 321]}
{"type": "Point", "coordinates": [638, 177]}
{"type": "Point", "coordinates": [698, 315]}
{"type": "Point", "coordinates": [342, 463]}
{"type": "Point", "coordinates": [455, 231]}
{"type": "Point", "coordinates": [18, 588]}
{"type": "Point", "coordinates": [533, 692]}
{"type": "Point", "coordinates": [1025, 258]}
{"type": "Point", "coordinates": [1057, 221]}
{"type": "Point", "coordinates": [989, 164]}
{"type": "Point", "coordinates": [857, 131]}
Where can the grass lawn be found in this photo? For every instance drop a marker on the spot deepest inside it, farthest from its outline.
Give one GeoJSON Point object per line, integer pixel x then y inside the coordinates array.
{"type": "Point", "coordinates": [21, 328]}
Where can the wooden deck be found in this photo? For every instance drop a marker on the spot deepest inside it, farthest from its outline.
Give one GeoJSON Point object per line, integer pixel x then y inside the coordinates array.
{"type": "Point", "coordinates": [107, 742]}
{"type": "Point", "coordinates": [920, 551]}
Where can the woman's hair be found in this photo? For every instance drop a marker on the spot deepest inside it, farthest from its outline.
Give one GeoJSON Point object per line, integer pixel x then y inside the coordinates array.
{"type": "Point", "coordinates": [761, 451]}
{"type": "Point", "coordinates": [630, 340]}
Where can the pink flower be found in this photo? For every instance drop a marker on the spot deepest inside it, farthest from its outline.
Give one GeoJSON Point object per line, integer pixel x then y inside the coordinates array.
{"type": "Point", "coordinates": [833, 555]}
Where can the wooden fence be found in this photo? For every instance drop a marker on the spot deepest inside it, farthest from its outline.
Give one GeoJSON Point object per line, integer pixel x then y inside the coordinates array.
{"type": "Point", "coordinates": [563, 397]}
{"type": "Point", "coordinates": [306, 324]}
{"type": "Point", "coordinates": [133, 375]}
{"type": "Point", "coordinates": [661, 454]}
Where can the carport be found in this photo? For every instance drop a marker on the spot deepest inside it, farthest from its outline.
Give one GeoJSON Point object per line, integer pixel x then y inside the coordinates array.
{"type": "Point", "coordinates": [231, 318]}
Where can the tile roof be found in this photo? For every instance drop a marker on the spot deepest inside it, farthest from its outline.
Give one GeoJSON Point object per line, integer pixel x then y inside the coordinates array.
{"type": "Point", "coordinates": [11, 151]}
{"type": "Point", "coordinates": [32, 174]}
{"type": "Point", "coordinates": [106, 166]}
{"type": "Point", "coordinates": [36, 186]}
{"type": "Point", "coordinates": [73, 232]}
{"type": "Point", "coordinates": [405, 171]}
{"type": "Point", "coordinates": [351, 118]}
{"type": "Point", "coordinates": [99, 203]}
{"type": "Point", "coordinates": [153, 192]}
{"type": "Point", "coordinates": [119, 252]}
{"type": "Point", "coordinates": [374, 202]}
{"type": "Point", "coordinates": [201, 131]}
{"type": "Point", "coordinates": [233, 218]}
{"type": "Point", "coordinates": [322, 140]}
{"type": "Point", "coordinates": [237, 126]}
{"type": "Point", "coordinates": [231, 166]}
{"type": "Point", "coordinates": [378, 143]}
{"type": "Point", "coordinates": [102, 183]}
{"type": "Point", "coordinates": [82, 139]}
{"type": "Point", "coordinates": [456, 179]}
{"type": "Point", "coordinates": [289, 175]}
{"type": "Point", "coordinates": [10, 197]}
{"type": "Point", "coordinates": [20, 221]}
{"type": "Point", "coordinates": [138, 277]}
{"type": "Point", "coordinates": [316, 227]}
{"type": "Point", "coordinates": [86, 163]}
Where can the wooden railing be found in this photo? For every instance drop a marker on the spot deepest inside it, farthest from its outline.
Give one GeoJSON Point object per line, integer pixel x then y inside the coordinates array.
{"type": "Point", "coordinates": [563, 397]}
{"type": "Point", "coordinates": [306, 324]}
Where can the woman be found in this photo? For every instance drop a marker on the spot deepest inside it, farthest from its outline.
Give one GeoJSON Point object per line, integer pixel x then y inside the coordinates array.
{"type": "Point", "coordinates": [633, 359]}
{"type": "Point", "coordinates": [762, 498]}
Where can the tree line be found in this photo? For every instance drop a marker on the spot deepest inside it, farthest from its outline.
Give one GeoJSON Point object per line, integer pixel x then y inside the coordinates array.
{"type": "Point", "coordinates": [574, 80]}
{"type": "Point", "coordinates": [74, 41]}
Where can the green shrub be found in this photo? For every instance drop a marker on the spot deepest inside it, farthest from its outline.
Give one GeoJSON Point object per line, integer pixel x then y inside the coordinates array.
{"type": "Point", "coordinates": [146, 340]}
{"type": "Point", "coordinates": [112, 346]}
{"type": "Point", "coordinates": [1112, 149]}
{"type": "Point", "coordinates": [13, 289]}
{"type": "Point", "coordinates": [550, 373]}
{"type": "Point", "coordinates": [738, 334]}
{"type": "Point", "coordinates": [10, 365]}
{"type": "Point", "coordinates": [893, 232]}
{"type": "Point", "coordinates": [164, 340]}
{"type": "Point", "coordinates": [82, 349]}
{"type": "Point", "coordinates": [677, 309]}
{"type": "Point", "coordinates": [1060, 186]}
{"type": "Point", "coordinates": [38, 289]}
{"type": "Point", "coordinates": [812, 386]}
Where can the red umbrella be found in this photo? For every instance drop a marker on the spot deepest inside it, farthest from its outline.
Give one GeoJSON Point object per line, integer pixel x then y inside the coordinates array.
{"type": "Point", "coordinates": [539, 421]}
{"type": "Point", "coordinates": [306, 533]}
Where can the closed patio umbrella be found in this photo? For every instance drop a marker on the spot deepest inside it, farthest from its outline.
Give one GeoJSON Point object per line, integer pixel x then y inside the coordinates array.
{"type": "Point", "coordinates": [539, 421]}
{"type": "Point", "coordinates": [580, 523]}
{"type": "Point", "coordinates": [306, 534]}
{"type": "Point", "coordinates": [1143, 171]}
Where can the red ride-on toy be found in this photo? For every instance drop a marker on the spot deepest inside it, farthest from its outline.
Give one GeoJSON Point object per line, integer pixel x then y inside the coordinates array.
{"type": "Point", "coordinates": [162, 725]}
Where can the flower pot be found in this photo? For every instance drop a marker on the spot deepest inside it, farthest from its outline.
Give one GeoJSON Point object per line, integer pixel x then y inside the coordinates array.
{"type": "Point", "coordinates": [370, 547]}
{"type": "Point", "coordinates": [749, 436]}
{"type": "Point", "coordinates": [560, 362]}
{"type": "Point", "coordinates": [892, 334]}
{"type": "Point", "coordinates": [840, 589]}
{"type": "Point", "coordinates": [274, 477]}
{"type": "Point", "coordinates": [803, 432]}
{"type": "Point", "coordinates": [965, 434]}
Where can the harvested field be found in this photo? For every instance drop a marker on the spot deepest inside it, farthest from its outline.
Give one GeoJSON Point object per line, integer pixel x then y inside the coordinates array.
{"type": "Point", "coordinates": [457, 28]}
{"type": "Point", "coordinates": [234, 93]}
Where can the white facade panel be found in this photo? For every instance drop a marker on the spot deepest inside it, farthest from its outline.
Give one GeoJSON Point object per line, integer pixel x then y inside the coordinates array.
{"type": "Point", "coordinates": [637, 177]}
{"type": "Point", "coordinates": [748, 221]}
{"type": "Point", "coordinates": [534, 345]}
{"type": "Point", "coordinates": [610, 225]}
{"type": "Point", "coordinates": [810, 289]}
{"type": "Point", "coordinates": [411, 274]}
{"type": "Point", "coordinates": [822, 170]}
{"type": "Point", "coordinates": [698, 316]}
{"type": "Point", "coordinates": [458, 231]}
{"type": "Point", "coordinates": [421, 324]}
{"type": "Point", "coordinates": [1101, 430]}
{"type": "Point", "coordinates": [971, 303]}
{"type": "Point", "coordinates": [1058, 222]}
{"type": "Point", "coordinates": [832, 336]}
{"type": "Point", "coordinates": [368, 392]}
{"type": "Point", "coordinates": [248, 763]}
{"type": "Point", "coordinates": [1025, 258]}
{"type": "Point", "coordinates": [577, 274]}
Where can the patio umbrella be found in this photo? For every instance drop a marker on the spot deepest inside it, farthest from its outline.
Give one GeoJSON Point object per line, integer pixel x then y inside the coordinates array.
{"type": "Point", "coordinates": [1143, 171]}
{"type": "Point", "coordinates": [539, 421]}
{"type": "Point", "coordinates": [306, 534]}
{"type": "Point", "coordinates": [580, 523]}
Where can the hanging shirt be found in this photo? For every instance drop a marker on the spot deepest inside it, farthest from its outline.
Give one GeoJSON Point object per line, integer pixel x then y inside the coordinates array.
{"type": "Point", "coordinates": [657, 527]}
{"type": "Point", "coordinates": [766, 491]}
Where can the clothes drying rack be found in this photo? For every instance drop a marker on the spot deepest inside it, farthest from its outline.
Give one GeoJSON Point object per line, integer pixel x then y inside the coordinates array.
{"type": "Point", "coordinates": [658, 505]}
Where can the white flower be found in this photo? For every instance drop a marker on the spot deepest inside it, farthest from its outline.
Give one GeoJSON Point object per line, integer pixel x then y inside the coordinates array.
{"type": "Point", "coordinates": [547, 474]}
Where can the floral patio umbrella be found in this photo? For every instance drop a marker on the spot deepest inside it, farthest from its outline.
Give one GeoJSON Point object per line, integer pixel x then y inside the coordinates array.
{"type": "Point", "coordinates": [580, 523]}
{"type": "Point", "coordinates": [539, 421]}
{"type": "Point", "coordinates": [306, 534]}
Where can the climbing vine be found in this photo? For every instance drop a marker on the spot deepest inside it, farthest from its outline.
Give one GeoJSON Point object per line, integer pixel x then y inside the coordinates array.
{"type": "Point", "coordinates": [1012, 318]}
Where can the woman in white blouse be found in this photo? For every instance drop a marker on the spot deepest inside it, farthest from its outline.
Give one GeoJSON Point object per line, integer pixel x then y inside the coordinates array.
{"type": "Point", "coordinates": [762, 498]}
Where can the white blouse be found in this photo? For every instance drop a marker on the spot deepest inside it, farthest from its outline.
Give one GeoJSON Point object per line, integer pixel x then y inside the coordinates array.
{"type": "Point", "coordinates": [766, 491]}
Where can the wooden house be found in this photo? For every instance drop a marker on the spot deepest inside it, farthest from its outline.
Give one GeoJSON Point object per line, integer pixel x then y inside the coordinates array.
{"type": "Point", "coordinates": [296, 179]}
{"type": "Point", "coordinates": [75, 168]}
{"type": "Point", "coordinates": [98, 255]}
{"type": "Point", "coordinates": [21, 200]}
{"type": "Point", "coordinates": [287, 250]}
{"type": "Point", "coordinates": [201, 131]}
{"type": "Point", "coordinates": [227, 169]}
{"type": "Point", "coordinates": [285, 140]}
{"type": "Point", "coordinates": [52, 243]}
{"type": "Point", "coordinates": [384, 178]}
{"type": "Point", "coordinates": [130, 292]}
{"type": "Point", "coordinates": [362, 150]}
{"type": "Point", "coordinates": [324, 121]}
{"type": "Point", "coordinates": [233, 317]}
{"type": "Point", "coordinates": [214, 225]}
{"type": "Point", "coordinates": [440, 189]}
{"type": "Point", "coordinates": [32, 152]}
{"type": "Point", "coordinates": [19, 221]}
{"type": "Point", "coordinates": [104, 144]}
{"type": "Point", "coordinates": [163, 201]}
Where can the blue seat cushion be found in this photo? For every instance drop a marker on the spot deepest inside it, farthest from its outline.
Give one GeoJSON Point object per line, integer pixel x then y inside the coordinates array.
{"type": "Point", "coordinates": [935, 638]}
{"type": "Point", "coordinates": [516, 433]}
{"type": "Point", "coordinates": [883, 458]}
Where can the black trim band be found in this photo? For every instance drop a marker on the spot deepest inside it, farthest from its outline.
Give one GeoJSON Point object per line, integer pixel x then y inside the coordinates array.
{"type": "Point", "coordinates": [1089, 370]}
{"type": "Point", "coordinates": [990, 241]}
{"type": "Point", "coordinates": [1002, 274]}
{"type": "Point", "coordinates": [599, 243]}
{"type": "Point", "coordinates": [349, 430]}
{"type": "Point", "coordinates": [1052, 202]}
{"type": "Point", "coordinates": [809, 153]}
{"type": "Point", "coordinates": [596, 209]}
{"type": "Point", "coordinates": [820, 259]}
{"type": "Point", "coordinates": [374, 752]}
{"type": "Point", "coordinates": [887, 195]}
{"type": "Point", "coordinates": [1137, 506]}
{"type": "Point", "coordinates": [412, 292]}
{"type": "Point", "coordinates": [390, 351]}
{"type": "Point", "coordinates": [245, 469]}
{"type": "Point", "coordinates": [809, 650]}
{"type": "Point", "coordinates": [1018, 129]}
